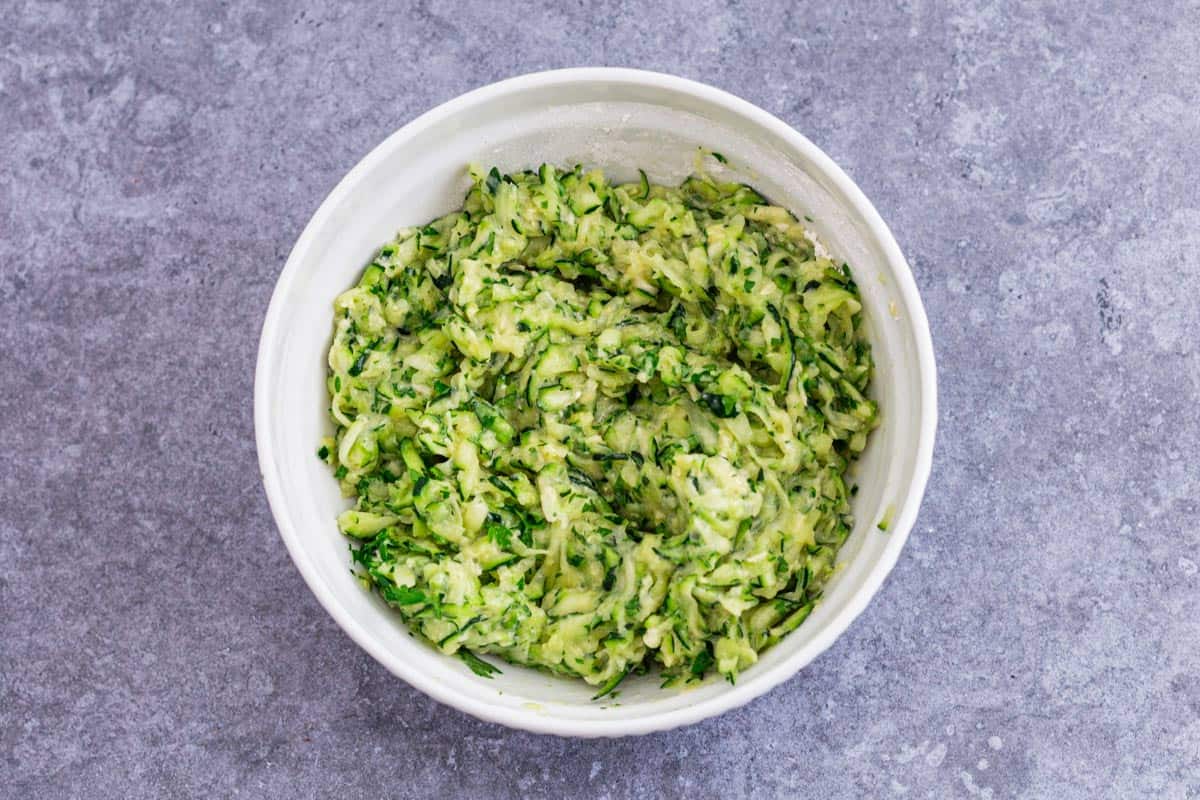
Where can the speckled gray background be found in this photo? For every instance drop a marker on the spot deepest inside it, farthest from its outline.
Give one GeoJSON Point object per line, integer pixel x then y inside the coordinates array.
{"type": "Point", "coordinates": [1040, 636]}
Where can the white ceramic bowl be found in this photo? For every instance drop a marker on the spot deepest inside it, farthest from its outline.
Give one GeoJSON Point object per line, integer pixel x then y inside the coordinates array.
{"type": "Point", "coordinates": [619, 120]}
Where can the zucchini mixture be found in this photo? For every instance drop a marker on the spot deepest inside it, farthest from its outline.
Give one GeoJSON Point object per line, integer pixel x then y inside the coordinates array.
{"type": "Point", "coordinates": [599, 429]}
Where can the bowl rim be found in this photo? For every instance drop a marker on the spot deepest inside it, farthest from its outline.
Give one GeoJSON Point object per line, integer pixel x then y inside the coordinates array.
{"type": "Point", "coordinates": [739, 694]}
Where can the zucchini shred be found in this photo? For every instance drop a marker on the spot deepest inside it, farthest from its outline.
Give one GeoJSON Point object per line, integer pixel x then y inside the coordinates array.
{"type": "Point", "coordinates": [600, 429]}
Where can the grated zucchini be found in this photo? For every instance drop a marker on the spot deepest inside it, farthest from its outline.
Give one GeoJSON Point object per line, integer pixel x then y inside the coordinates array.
{"type": "Point", "coordinates": [599, 429]}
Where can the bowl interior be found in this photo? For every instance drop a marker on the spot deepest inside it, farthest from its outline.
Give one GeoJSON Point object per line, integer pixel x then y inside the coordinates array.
{"type": "Point", "coordinates": [618, 125]}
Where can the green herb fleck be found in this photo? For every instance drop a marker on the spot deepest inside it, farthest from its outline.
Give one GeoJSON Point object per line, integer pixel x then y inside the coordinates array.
{"type": "Point", "coordinates": [480, 667]}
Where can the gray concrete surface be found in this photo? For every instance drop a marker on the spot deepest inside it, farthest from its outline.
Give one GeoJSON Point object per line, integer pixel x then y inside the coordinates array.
{"type": "Point", "coordinates": [1039, 163]}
